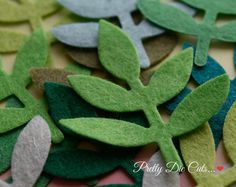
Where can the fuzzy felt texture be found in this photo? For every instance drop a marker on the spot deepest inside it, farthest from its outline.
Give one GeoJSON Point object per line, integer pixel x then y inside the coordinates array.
{"type": "Point", "coordinates": [33, 54]}
{"type": "Point", "coordinates": [162, 15]}
{"type": "Point", "coordinates": [167, 81]}
{"type": "Point", "coordinates": [69, 34]}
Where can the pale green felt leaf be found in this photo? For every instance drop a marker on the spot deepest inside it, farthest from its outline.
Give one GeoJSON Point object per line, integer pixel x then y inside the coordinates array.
{"type": "Point", "coordinates": [114, 132]}
{"type": "Point", "coordinates": [33, 54]}
{"type": "Point", "coordinates": [227, 32]}
{"type": "Point", "coordinates": [225, 6]}
{"type": "Point", "coordinates": [11, 41]}
{"type": "Point", "coordinates": [171, 77]}
{"type": "Point", "coordinates": [230, 133]}
{"type": "Point", "coordinates": [199, 106]}
{"type": "Point", "coordinates": [168, 16]}
{"type": "Point", "coordinates": [198, 148]}
{"type": "Point", "coordinates": [117, 53]}
{"type": "Point", "coordinates": [104, 94]}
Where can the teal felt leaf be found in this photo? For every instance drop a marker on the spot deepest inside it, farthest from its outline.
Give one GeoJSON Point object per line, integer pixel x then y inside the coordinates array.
{"type": "Point", "coordinates": [33, 54]}
{"type": "Point", "coordinates": [163, 15]}
{"type": "Point", "coordinates": [199, 106]}
{"type": "Point", "coordinates": [175, 72]}
{"type": "Point", "coordinates": [117, 53]}
{"type": "Point", "coordinates": [104, 94]}
{"type": "Point", "coordinates": [121, 133]}
{"type": "Point", "coordinates": [227, 32]}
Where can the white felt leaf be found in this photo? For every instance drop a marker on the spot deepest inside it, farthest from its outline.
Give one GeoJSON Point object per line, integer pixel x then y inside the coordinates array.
{"type": "Point", "coordinates": [163, 179]}
{"type": "Point", "coordinates": [99, 8]}
{"type": "Point", "coordinates": [30, 153]}
{"type": "Point", "coordinates": [4, 184]}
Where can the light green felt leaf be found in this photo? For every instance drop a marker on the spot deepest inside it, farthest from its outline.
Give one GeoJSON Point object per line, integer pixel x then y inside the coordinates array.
{"type": "Point", "coordinates": [117, 53]}
{"type": "Point", "coordinates": [198, 148]}
{"type": "Point", "coordinates": [33, 54]}
{"type": "Point", "coordinates": [199, 106]}
{"type": "Point", "coordinates": [225, 6]}
{"type": "Point", "coordinates": [227, 32]}
{"type": "Point", "coordinates": [104, 94]}
{"type": "Point", "coordinates": [11, 41]}
{"type": "Point", "coordinates": [230, 133]}
{"type": "Point", "coordinates": [114, 132]}
{"type": "Point", "coordinates": [175, 72]}
{"type": "Point", "coordinates": [168, 16]}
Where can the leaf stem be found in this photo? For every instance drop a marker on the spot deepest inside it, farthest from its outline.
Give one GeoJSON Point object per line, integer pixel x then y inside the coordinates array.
{"type": "Point", "coordinates": [210, 17]}
{"type": "Point", "coordinates": [35, 23]}
{"type": "Point", "coordinates": [202, 49]}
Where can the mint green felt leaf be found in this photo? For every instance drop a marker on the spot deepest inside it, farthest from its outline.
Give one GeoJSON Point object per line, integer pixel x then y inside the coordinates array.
{"type": "Point", "coordinates": [104, 94]}
{"type": "Point", "coordinates": [227, 32]}
{"type": "Point", "coordinates": [199, 106]}
{"type": "Point", "coordinates": [33, 54]}
{"type": "Point", "coordinates": [175, 72]}
{"type": "Point", "coordinates": [167, 15]}
{"type": "Point", "coordinates": [117, 53]}
{"type": "Point", "coordinates": [109, 131]}
{"type": "Point", "coordinates": [11, 41]}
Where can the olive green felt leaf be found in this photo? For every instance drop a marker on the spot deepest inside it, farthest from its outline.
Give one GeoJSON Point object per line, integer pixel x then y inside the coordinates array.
{"type": "Point", "coordinates": [11, 41]}
{"type": "Point", "coordinates": [120, 58]}
{"type": "Point", "coordinates": [104, 94]}
{"type": "Point", "coordinates": [194, 106]}
{"type": "Point", "coordinates": [176, 71]}
{"type": "Point", "coordinates": [230, 133]}
{"type": "Point", "coordinates": [33, 54]}
{"type": "Point", "coordinates": [115, 132]}
{"type": "Point", "coordinates": [205, 31]}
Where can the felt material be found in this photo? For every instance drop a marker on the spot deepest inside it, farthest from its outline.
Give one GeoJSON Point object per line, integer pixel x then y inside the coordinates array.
{"type": "Point", "coordinates": [26, 10]}
{"type": "Point", "coordinates": [77, 69]}
{"type": "Point", "coordinates": [30, 153]}
{"type": "Point", "coordinates": [106, 9]}
{"type": "Point", "coordinates": [11, 41]}
{"type": "Point", "coordinates": [114, 98]}
{"type": "Point", "coordinates": [41, 75]}
{"type": "Point", "coordinates": [157, 48]}
{"type": "Point", "coordinates": [164, 179]}
{"type": "Point", "coordinates": [162, 15]}
{"type": "Point", "coordinates": [33, 54]}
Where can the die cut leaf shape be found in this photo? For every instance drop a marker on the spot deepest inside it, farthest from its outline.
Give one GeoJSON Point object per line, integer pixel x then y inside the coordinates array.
{"type": "Point", "coordinates": [68, 34]}
{"type": "Point", "coordinates": [33, 54]}
{"type": "Point", "coordinates": [30, 153]}
{"type": "Point", "coordinates": [162, 15]}
{"type": "Point", "coordinates": [121, 133]}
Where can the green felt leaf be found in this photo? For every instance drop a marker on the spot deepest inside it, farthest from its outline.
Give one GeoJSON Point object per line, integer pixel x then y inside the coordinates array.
{"type": "Point", "coordinates": [230, 133]}
{"type": "Point", "coordinates": [198, 148]}
{"type": "Point", "coordinates": [227, 32]}
{"type": "Point", "coordinates": [225, 6]}
{"type": "Point", "coordinates": [164, 15]}
{"type": "Point", "coordinates": [33, 54]}
{"type": "Point", "coordinates": [11, 41]}
{"type": "Point", "coordinates": [199, 106]}
{"type": "Point", "coordinates": [104, 94]}
{"type": "Point", "coordinates": [114, 132]}
{"type": "Point", "coordinates": [175, 72]}
{"type": "Point", "coordinates": [117, 53]}
{"type": "Point", "coordinates": [4, 84]}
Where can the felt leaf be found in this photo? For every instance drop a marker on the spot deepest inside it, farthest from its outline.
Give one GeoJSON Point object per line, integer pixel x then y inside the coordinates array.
{"type": "Point", "coordinates": [30, 152]}
{"type": "Point", "coordinates": [104, 94]}
{"type": "Point", "coordinates": [227, 31]}
{"type": "Point", "coordinates": [11, 41]}
{"type": "Point", "coordinates": [199, 106]}
{"type": "Point", "coordinates": [165, 179]}
{"type": "Point", "coordinates": [121, 133]}
{"type": "Point", "coordinates": [159, 13]}
{"type": "Point", "coordinates": [175, 72]}
{"type": "Point", "coordinates": [33, 54]}
{"type": "Point", "coordinates": [117, 52]}
{"type": "Point", "coordinates": [41, 75]}
{"type": "Point", "coordinates": [99, 8]}
{"type": "Point", "coordinates": [225, 7]}
{"type": "Point", "coordinates": [78, 35]}
{"type": "Point", "coordinates": [229, 133]}
{"type": "Point", "coordinates": [198, 147]}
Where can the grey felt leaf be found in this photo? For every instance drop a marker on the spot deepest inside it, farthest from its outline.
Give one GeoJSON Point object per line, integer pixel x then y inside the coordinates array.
{"type": "Point", "coordinates": [164, 179]}
{"type": "Point", "coordinates": [99, 8]}
{"type": "Point", "coordinates": [30, 153]}
{"type": "Point", "coordinates": [4, 184]}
